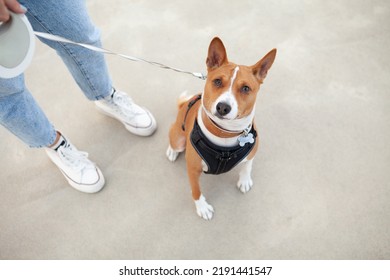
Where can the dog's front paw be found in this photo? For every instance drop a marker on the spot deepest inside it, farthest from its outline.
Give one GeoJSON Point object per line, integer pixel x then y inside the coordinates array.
{"type": "Point", "coordinates": [245, 184]}
{"type": "Point", "coordinates": [172, 154]}
{"type": "Point", "coordinates": [204, 209]}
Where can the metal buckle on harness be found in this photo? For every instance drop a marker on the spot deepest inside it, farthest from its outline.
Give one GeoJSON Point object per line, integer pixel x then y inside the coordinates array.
{"type": "Point", "coordinates": [226, 156]}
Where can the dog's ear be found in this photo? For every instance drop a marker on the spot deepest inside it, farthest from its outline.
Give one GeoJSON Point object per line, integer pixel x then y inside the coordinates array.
{"type": "Point", "coordinates": [261, 68]}
{"type": "Point", "coordinates": [217, 54]}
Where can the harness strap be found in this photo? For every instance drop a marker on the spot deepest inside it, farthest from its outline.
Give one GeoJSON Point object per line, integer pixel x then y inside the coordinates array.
{"type": "Point", "coordinates": [190, 104]}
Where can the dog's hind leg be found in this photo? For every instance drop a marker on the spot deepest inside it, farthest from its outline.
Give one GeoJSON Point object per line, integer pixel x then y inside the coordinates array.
{"type": "Point", "coordinates": [177, 142]}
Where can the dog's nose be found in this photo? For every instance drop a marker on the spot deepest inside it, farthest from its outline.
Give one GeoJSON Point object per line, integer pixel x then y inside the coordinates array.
{"type": "Point", "coordinates": [223, 108]}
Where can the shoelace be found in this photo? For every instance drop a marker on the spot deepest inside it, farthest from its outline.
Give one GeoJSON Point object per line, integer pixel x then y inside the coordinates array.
{"type": "Point", "coordinates": [78, 160]}
{"type": "Point", "coordinates": [124, 102]}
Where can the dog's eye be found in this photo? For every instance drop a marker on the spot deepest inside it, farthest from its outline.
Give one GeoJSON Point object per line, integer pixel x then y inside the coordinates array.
{"type": "Point", "coordinates": [217, 82]}
{"type": "Point", "coordinates": [245, 89]}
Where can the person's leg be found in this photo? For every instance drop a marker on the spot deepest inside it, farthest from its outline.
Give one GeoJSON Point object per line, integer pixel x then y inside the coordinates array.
{"type": "Point", "coordinates": [70, 19]}
{"type": "Point", "coordinates": [21, 115]}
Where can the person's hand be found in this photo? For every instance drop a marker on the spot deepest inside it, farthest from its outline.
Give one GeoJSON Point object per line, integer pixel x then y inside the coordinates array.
{"type": "Point", "coordinates": [9, 5]}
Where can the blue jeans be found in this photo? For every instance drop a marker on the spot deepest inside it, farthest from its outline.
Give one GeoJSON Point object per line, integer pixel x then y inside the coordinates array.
{"type": "Point", "coordinates": [19, 112]}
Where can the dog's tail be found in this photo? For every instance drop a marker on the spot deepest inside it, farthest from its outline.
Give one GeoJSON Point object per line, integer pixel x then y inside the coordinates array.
{"type": "Point", "coordinates": [183, 98]}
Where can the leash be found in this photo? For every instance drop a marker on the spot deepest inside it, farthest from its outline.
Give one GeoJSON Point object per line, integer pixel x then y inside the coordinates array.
{"type": "Point", "coordinates": [56, 38]}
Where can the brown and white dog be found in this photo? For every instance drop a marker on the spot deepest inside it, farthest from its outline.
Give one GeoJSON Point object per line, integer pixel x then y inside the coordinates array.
{"type": "Point", "coordinates": [217, 128]}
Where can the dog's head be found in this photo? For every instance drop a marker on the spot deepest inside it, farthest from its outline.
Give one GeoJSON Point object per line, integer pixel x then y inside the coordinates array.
{"type": "Point", "coordinates": [230, 91]}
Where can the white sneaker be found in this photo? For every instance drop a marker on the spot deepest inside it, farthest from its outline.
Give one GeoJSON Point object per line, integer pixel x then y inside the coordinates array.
{"type": "Point", "coordinates": [81, 173]}
{"type": "Point", "coordinates": [136, 119]}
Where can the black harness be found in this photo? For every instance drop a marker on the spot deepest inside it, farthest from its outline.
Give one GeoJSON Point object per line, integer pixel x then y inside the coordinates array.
{"type": "Point", "coordinates": [218, 159]}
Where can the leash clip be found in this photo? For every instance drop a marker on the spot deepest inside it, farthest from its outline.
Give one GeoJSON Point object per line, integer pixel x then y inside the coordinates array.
{"type": "Point", "coordinates": [199, 75]}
